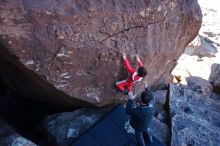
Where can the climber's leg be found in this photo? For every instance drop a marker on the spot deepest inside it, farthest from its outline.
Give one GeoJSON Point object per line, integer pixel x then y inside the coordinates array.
{"type": "Point", "coordinates": [147, 137]}
{"type": "Point", "coordinates": [139, 138]}
{"type": "Point", "coordinates": [129, 87]}
{"type": "Point", "coordinates": [121, 85]}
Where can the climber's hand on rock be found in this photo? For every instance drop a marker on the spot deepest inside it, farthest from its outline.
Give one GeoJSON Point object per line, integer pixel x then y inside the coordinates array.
{"type": "Point", "coordinates": [124, 56]}
{"type": "Point", "coordinates": [137, 57]}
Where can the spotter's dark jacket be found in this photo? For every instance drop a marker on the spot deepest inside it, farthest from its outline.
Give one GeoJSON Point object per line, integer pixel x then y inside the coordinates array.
{"type": "Point", "coordinates": [141, 115]}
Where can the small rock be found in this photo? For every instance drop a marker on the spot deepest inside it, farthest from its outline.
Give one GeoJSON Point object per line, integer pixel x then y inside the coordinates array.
{"type": "Point", "coordinates": [200, 47]}
{"type": "Point", "coordinates": [215, 75]}
{"type": "Point", "coordinates": [162, 116]}
{"type": "Point", "coordinates": [160, 97]}
{"type": "Point", "coordinates": [67, 126]}
{"type": "Point", "coordinates": [199, 85]}
{"type": "Point", "coordinates": [160, 131]}
{"type": "Point", "coordinates": [160, 100]}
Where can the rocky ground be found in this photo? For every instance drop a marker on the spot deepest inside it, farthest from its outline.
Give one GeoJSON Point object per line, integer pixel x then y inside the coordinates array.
{"type": "Point", "coordinates": [194, 117]}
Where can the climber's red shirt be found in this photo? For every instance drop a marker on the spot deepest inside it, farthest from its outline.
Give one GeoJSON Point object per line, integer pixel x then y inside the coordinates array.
{"type": "Point", "coordinates": [133, 77]}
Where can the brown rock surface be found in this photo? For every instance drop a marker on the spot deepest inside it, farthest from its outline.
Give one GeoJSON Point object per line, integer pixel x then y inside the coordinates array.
{"type": "Point", "coordinates": [75, 46]}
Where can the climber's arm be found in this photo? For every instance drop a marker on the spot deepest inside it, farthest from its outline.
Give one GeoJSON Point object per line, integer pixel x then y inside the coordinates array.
{"type": "Point", "coordinates": [139, 61]}
{"type": "Point", "coordinates": [127, 65]}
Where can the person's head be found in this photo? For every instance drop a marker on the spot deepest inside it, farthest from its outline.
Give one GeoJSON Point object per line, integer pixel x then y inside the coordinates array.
{"type": "Point", "coordinates": [145, 98]}
{"type": "Point", "coordinates": [142, 72]}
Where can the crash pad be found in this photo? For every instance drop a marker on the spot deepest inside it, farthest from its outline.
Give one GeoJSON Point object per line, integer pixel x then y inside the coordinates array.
{"type": "Point", "coordinates": [111, 130]}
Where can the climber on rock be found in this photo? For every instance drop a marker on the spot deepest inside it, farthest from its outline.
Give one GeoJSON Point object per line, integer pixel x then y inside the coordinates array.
{"type": "Point", "coordinates": [133, 77]}
{"type": "Point", "coordinates": [141, 111]}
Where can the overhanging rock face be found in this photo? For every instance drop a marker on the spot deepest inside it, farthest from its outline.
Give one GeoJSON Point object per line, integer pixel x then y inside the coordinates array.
{"type": "Point", "coordinates": [76, 45]}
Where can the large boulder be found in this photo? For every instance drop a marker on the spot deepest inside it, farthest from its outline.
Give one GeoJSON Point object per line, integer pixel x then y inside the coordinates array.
{"type": "Point", "coordinates": [73, 48]}
{"type": "Point", "coordinates": [194, 117]}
